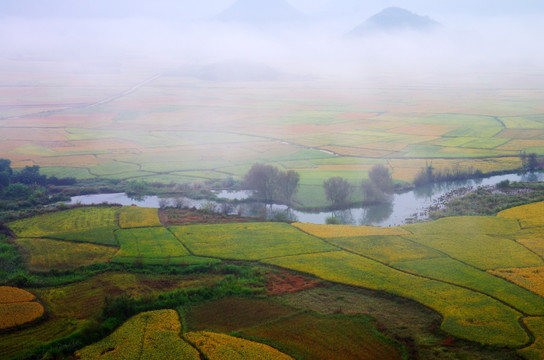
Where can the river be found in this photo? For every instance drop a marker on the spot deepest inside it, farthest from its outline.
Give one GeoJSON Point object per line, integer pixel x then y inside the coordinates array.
{"type": "Point", "coordinates": [402, 206]}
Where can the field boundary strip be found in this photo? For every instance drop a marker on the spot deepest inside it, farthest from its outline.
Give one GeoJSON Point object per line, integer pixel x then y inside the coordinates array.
{"type": "Point", "coordinates": [182, 244]}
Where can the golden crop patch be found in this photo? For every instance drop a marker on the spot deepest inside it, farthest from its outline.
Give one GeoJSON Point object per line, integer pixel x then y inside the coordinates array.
{"type": "Point", "coordinates": [17, 307]}
{"type": "Point", "coordinates": [10, 294]}
{"type": "Point", "coordinates": [224, 347]}
{"type": "Point", "coordinates": [531, 215]}
{"type": "Point", "coordinates": [338, 231]}
{"type": "Point", "coordinates": [134, 216]}
{"type": "Point", "coordinates": [20, 313]}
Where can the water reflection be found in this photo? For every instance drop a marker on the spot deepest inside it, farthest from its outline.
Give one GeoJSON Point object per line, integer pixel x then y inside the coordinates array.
{"type": "Point", "coordinates": [376, 214]}
{"type": "Point", "coordinates": [401, 207]}
{"type": "Point", "coordinates": [344, 216]}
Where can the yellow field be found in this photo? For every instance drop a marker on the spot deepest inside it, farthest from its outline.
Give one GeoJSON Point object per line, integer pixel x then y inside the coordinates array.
{"type": "Point", "coordinates": [224, 347]}
{"type": "Point", "coordinates": [133, 216]}
{"type": "Point", "coordinates": [531, 215]}
{"type": "Point", "coordinates": [387, 249]}
{"type": "Point", "coordinates": [530, 278]}
{"type": "Point", "coordinates": [337, 231]}
{"type": "Point", "coordinates": [150, 335]}
{"type": "Point", "coordinates": [48, 254]}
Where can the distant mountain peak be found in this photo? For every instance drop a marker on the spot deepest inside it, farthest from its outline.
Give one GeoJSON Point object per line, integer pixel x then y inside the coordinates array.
{"type": "Point", "coordinates": [260, 11]}
{"type": "Point", "coordinates": [393, 19]}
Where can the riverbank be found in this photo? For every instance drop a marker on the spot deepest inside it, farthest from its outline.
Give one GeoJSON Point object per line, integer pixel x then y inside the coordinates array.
{"type": "Point", "coordinates": [486, 200]}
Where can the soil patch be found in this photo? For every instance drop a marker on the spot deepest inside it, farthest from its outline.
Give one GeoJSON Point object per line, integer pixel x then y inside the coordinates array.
{"type": "Point", "coordinates": [172, 217]}
{"type": "Point", "coordinates": [286, 283]}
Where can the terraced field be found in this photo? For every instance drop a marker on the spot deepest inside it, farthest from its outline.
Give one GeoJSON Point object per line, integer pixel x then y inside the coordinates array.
{"type": "Point", "coordinates": [440, 264]}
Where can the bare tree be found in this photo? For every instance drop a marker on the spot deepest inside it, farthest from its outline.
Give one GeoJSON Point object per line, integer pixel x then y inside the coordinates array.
{"type": "Point", "coordinates": [163, 203]}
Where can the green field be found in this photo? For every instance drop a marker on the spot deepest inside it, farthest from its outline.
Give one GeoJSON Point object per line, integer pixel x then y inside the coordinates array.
{"type": "Point", "coordinates": [467, 238]}
{"type": "Point", "coordinates": [153, 246]}
{"type": "Point", "coordinates": [46, 254]}
{"type": "Point", "coordinates": [99, 235]}
{"type": "Point", "coordinates": [451, 266]}
{"type": "Point", "coordinates": [455, 272]}
{"type": "Point", "coordinates": [249, 241]}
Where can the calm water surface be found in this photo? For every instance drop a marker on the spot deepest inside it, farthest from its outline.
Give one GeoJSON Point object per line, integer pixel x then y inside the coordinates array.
{"type": "Point", "coordinates": [402, 206]}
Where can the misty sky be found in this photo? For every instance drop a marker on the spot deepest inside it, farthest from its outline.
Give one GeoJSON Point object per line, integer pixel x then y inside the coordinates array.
{"type": "Point", "coordinates": [190, 9]}
{"type": "Point", "coordinates": [485, 34]}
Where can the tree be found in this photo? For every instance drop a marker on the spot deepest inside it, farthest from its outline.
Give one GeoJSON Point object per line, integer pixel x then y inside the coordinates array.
{"type": "Point", "coordinates": [337, 190]}
{"type": "Point", "coordinates": [30, 175]}
{"type": "Point", "coordinates": [262, 179]}
{"type": "Point", "coordinates": [272, 184]}
{"type": "Point", "coordinates": [5, 172]}
{"type": "Point", "coordinates": [372, 193]}
{"type": "Point", "coordinates": [17, 191]}
{"type": "Point", "coordinates": [529, 162]}
{"type": "Point", "coordinates": [287, 185]}
{"type": "Point", "coordinates": [381, 178]}
{"type": "Point", "coordinates": [425, 175]}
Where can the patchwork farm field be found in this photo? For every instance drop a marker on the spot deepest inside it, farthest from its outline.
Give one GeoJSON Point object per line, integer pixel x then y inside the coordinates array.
{"type": "Point", "coordinates": [199, 287]}
{"type": "Point", "coordinates": [171, 128]}
{"type": "Point", "coordinates": [460, 283]}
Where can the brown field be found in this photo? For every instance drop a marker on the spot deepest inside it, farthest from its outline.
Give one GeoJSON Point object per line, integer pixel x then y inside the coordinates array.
{"type": "Point", "coordinates": [232, 314]}
{"type": "Point", "coordinates": [331, 337]}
